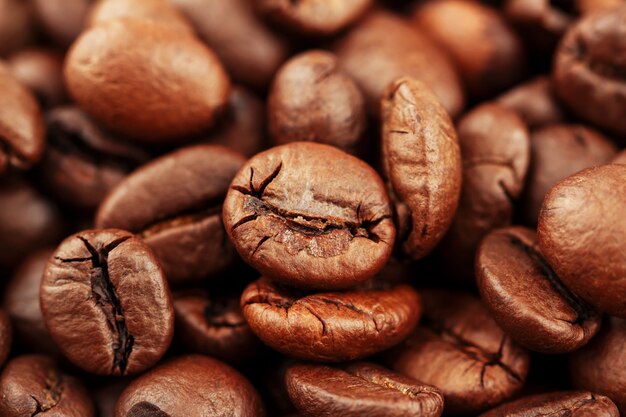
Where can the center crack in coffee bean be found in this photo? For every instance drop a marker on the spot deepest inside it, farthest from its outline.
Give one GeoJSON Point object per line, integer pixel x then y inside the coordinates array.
{"type": "Point", "coordinates": [216, 315]}
{"type": "Point", "coordinates": [145, 409]}
{"type": "Point", "coordinates": [53, 390]}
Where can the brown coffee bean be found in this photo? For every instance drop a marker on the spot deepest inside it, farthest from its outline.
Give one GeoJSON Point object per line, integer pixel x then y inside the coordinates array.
{"type": "Point", "coordinates": [422, 162]}
{"type": "Point", "coordinates": [174, 203]}
{"type": "Point", "coordinates": [360, 389]}
{"type": "Point", "coordinates": [526, 298]}
{"type": "Point", "coordinates": [558, 151]}
{"type": "Point", "coordinates": [6, 336]}
{"type": "Point", "coordinates": [61, 20]}
{"type": "Point", "coordinates": [462, 351]}
{"type": "Point", "coordinates": [16, 25]}
{"type": "Point", "coordinates": [178, 85]}
{"type": "Point", "coordinates": [487, 52]}
{"type": "Point", "coordinates": [495, 146]}
{"type": "Point", "coordinates": [32, 385]}
{"type": "Point", "coordinates": [384, 47]}
{"type": "Point", "coordinates": [105, 301]}
{"type": "Point", "coordinates": [317, 17]}
{"type": "Point", "coordinates": [158, 10]}
{"type": "Point", "coordinates": [588, 70]}
{"type": "Point", "coordinates": [192, 385]}
{"type": "Point", "coordinates": [249, 49]}
{"type": "Point", "coordinates": [582, 232]}
{"type": "Point", "coordinates": [333, 326]}
{"type": "Point", "coordinates": [311, 216]}
{"type": "Point", "coordinates": [599, 365]}
{"type": "Point", "coordinates": [41, 70]}
{"type": "Point", "coordinates": [22, 136]}
{"type": "Point", "coordinates": [312, 99]}
{"type": "Point", "coordinates": [620, 158]}
{"type": "Point", "coordinates": [557, 404]}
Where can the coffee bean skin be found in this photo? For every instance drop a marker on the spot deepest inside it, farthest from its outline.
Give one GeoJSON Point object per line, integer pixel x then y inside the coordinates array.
{"type": "Point", "coordinates": [359, 390]}
{"type": "Point", "coordinates": [311, 216]}
{"type": "Point", "coordinates": [33, 385]}
{"type": "Point", "coordinates": [557, 404]}
{"type": "Point", "coordinates": [41, 70]}
{"type": "Point", "coordinates": [462, 351]}
{"type": "Point", "coordinates": [383, 47]}
{"type": "Point", "coordinates": [106, 303]}
{"type": "Point", "coordinates": [174, 204]}
{"type": "Point", "coordinates": [526, 298]}
{"type": "Point", "coordinates": [158, 10]}
{"type": "Point", "coordinates": [588, 69]}
{"type": "Point", "coordinates": [330, 326]}
{"type": "Point", "coordinates": [312, 99]}
{"type": "Point", "coordinates": [191, 386]}
{"type": "Point", "coordinates": [582, 232]}
{"type": "Point", "coordinates": [422, 162]}
{"type": "Point", "coordinates": [158, 64]}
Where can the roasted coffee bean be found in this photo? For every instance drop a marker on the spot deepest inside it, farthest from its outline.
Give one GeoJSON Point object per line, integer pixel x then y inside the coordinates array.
{"type": "Point", "coordinates": [178, 85]}
{"type": "Point", "coordinates": [22, 137]}
{"type": "Point", "coordinates": [106, 303]}
{"type": "Point", "coordinates": [214, 325]}
{"type": "Point", "coordinates": [330, 326]}
{"type": "Point", "coordinates": [16, 25]}
{"type": "Point", "coordinates": [588, 69]}
{"type": "Point", "coordinates": [558, 151]}
{"type": "Point", "coordinates": [462, 351]}
{"type": "Point", "coordinates": [582, 232]}
{"type": "Point", "coordinates": [61, 20]}
{"type": "Point", "coordinates": [312, 99]}
{"type": "Point", "coordinates": [526, 298]}
{"type": "Point", "coordinates": [250, 51]}
{"type": "Point", "coordinates": [41, 70]}
{"type": "Point", "coordinates": [311, 216]}
{"type": "Point", "coordinates": [534, 102]}
{"type": "Point", "coordinates": [422, 163]}
{"type": "Point", "coordinates": [620, 158]}
{"type": "Point", "coordinates": [192, 385]}
{"type": "Point", "coordinates": [174, 203]}
{"type": "Point", "coordinates": [82, 162]}
{"type": "Point", "coordinates": [158, 10]}
{"type": "Point", "coordinates": [557, 404]}
{"type": "Point", "coordinates": [599, 366]}
{"type": "Point", "coordinates": [6, 336]}
{"type": "Point", "coordinates": [495, 146]}
{"type": "Point", "coordinates": [487, 52]}
{"type": "Point", "coordinates": [383, 47]}
{"type": "Point", "coordinates": [33, 385]}
{"type": "Point", "coordinates": [360, 389]}
{"type": "Point", "coordinates": [319, 17]}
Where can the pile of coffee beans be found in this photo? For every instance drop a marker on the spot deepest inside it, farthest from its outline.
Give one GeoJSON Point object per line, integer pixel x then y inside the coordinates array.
{"type": "Point", "coordinates": [309, 208]}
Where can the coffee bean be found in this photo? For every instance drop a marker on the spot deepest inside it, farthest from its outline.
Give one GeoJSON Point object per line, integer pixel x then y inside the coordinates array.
{"type": "Point", "coordinates": [105, 301]}
{"type": "Point", "coordinates": [462, 351]}
{"type": "Point", "coordinates": [16, 25]}
{"type": "Point", "coordinates": [557, 404]}
{"type": "Point", "coordinates": [383, 47]}
{"type": "Point", "coordinates": [41, 70]}
{"type": "Point", "coordinates": [174, 204]}
{"type": "Point", "coordinates": [159, 64]}
{"type": "Point", "coordinates": [526, 297]}
{"type": "Point", "coordinates": [311, 99]}
{"type": "Point", "coordinates": [361, 389]}
{"type": "Point", "coordinates": [582, 233]}
{"type": "Point", "coordinates": [330, 326]}
{"type": "Point", "coordinates": [192, 385]}
{"type": "Point", "coordinates": [61, 20]}
{"type": "Point", "coordinates": [311, 216]}
{"type": "Point", "coordinates": [588, 71]}
{"type": "Point", "coordinates": [158, 10]}
{"type": "Point", "coordinates": [421, 160]}
{"type": "Point", "coordinates": [33, 385]}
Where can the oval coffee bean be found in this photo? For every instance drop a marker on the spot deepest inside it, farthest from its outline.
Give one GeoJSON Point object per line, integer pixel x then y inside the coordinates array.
{"type": "Point", "coordinates": [32, 385]}
{"type": "Point", "coordinates": [384, 47]}
{"type": "Point", "coordinates": [313, 17]}
{"type": "Point", "coordinates": [123, 71]}
{"type": "Point", "coordinates": [582, 233]}
{"type": "Point", "coordinates": [311, 99]}
{"type": "Point", "coordinates": [105, 301]}
{"type": "Point", "coordinates": [526, 298]}
{"type": "Point", "coordinates": [158, 10]}
{"type": "Point", "coordinates": [422, 163]}
{"type": "Point", "coordinates": [588, 71]}
{"type": "Point", "coordinates": [192, 385]}
{"type": "Point", "coordinates": [311, 216]}
{"type": "Point", "coordinates": [332, 326]}
{"type": "Point", "coordinates": [360, 389]}
{"type": "Point", "coordinates": [41, 70]}
{"type": "Point", "coordinates": [462, 351]}
{"type": "Point", "coordinates": [174, 203]}
{"type": "Point", "coordinates": [557, 404]}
